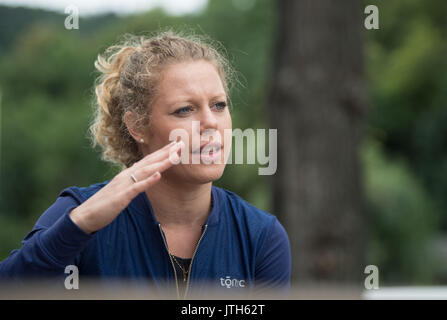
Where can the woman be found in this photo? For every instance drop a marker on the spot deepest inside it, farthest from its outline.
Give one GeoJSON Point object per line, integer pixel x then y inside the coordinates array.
{"type": "Point", "coordinates": [159, 220]}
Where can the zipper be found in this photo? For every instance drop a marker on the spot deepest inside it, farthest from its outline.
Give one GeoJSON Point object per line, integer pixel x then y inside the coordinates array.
{"type": "Point", "coordinates": [172, 262]}
{"type": "Point", "coordinates": [192, 259]}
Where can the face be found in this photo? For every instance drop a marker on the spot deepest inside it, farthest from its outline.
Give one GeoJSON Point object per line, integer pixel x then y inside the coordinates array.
{"type": "Point", "coordinates": [191, 92]}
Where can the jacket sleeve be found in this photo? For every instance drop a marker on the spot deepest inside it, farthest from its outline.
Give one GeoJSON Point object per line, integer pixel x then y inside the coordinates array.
{"type": "Point", "coordinates": [273, 263]}
{"type": "Point", "coordinates": [54, 242]}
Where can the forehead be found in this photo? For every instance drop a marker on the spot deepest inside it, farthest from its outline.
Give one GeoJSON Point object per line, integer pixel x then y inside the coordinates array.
{"type": "Point", "coordinates": [188, 80]}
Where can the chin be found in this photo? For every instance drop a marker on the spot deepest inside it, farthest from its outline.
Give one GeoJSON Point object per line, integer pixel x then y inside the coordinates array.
{"type": "Point", "coordinates": [209, 173]}
{"type": "Point", "coordinates": [201, 173]}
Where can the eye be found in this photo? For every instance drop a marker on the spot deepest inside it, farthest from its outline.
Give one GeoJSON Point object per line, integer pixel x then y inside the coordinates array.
{"type": "Point", "coordinates": [221, 105]}
{"type": "Point", "coordinates": [183, 111]}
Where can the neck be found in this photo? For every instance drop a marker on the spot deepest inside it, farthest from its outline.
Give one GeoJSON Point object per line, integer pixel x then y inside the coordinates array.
{"type": "Point", "coordinates": [176, 205]}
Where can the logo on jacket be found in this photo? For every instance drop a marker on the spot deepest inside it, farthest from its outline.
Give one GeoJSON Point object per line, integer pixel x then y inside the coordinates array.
{"type": "Point", "coordinates": [232, 283]}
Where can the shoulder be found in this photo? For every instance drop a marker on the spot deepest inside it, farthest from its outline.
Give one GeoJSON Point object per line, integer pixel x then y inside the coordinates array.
{"type": "Point", "coordinates": [260, 225]}
{"type": "Point", "coordinates": [243, 209]}
{"type": "Point", "coordinates": [265, 236]}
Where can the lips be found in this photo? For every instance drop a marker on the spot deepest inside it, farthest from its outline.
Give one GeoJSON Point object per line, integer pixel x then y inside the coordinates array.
{"type": "Point", "coordinates": [209, 148]}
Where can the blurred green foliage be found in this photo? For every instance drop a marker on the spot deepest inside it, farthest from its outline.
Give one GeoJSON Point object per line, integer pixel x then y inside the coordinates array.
{"type": "Point", "coordinates": [407, 72]}
{"type": "Point", "coordinates": [46, 81]}
{"type": "Point", "coordinates": [406, 160]}
{"type": "Point", "coordinates": [402, 218]}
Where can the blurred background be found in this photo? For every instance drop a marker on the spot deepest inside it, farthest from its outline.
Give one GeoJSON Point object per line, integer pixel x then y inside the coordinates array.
{"type": "Point", "coordinates": [361, 118]}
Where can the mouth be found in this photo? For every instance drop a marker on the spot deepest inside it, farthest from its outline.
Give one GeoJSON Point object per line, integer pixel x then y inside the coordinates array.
{"type": "Point", "coordinates": [209, 152]}
{"type": "Point", "coordinates": [209, 149]}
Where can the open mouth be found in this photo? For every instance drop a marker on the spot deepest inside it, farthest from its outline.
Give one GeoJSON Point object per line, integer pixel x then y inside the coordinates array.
{"type": "Point", "coordinates": [209, 152]}
{"type": "Point", "coordinates": [209, 149]}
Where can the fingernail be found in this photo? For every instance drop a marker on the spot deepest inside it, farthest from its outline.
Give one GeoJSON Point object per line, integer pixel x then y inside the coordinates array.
{"type": "Point", "coordinates": [174, 158]}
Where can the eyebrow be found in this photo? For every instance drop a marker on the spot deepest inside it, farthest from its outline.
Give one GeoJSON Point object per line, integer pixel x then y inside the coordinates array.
{"type": "Point", "coordinates": [189, 100]}
{"type": "Point", "coordinates": [219, 96]}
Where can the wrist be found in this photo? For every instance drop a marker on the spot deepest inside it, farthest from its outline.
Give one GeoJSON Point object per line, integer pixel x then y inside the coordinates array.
{"type": "Point", "coordinates": [80, 219]}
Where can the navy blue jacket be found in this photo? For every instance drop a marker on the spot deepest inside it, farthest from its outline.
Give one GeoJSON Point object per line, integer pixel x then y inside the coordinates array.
{"type": "Point", "coordinates": [241, 248]}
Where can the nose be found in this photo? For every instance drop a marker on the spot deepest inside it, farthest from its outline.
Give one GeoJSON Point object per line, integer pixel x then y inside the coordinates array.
{"type": "Point", "coordinates": [208, 120]}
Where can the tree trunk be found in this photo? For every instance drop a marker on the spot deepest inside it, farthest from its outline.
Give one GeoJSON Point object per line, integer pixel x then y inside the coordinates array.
{"type": "Point", "coordinates": [317, 103]}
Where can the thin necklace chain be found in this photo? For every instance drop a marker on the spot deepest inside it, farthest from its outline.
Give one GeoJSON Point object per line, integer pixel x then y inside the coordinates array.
{"type": "Point", "coordinates": [185, 272]}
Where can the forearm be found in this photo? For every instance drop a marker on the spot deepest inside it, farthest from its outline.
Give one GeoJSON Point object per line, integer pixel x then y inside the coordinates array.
{"type": "Point", "coordinates": [48, 251]}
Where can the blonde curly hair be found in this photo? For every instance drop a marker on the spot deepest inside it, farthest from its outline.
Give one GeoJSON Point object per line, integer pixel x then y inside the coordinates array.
{"type": "Point", "coordinates": [130, 72]}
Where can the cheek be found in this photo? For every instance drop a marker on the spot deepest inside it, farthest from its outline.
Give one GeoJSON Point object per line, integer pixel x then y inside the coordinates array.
{"type": "Point", "coordinates": [181, 130]}
{"type": "Point", "coordinates": [226, 124]}
{"type": "Point", "coordinates": [158, 136]}
{"type": "Point", "coordinates": [229, 122]}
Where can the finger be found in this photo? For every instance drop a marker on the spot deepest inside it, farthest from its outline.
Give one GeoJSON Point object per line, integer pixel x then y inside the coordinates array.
{"type": "Point", "coordinates": [142, 185]}
{"type": "Point", "coordinates": [156, 154]}
{"type": "Point", "coordinates": [165, 154]}
{"type": "Point", "coordinates": [160, 154]}
{"type": "Point", "coordinates": [147, 171]}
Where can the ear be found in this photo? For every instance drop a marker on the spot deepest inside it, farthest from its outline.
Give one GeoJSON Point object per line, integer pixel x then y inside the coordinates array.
{"type": "Point", "coordinates": [130, 119]}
